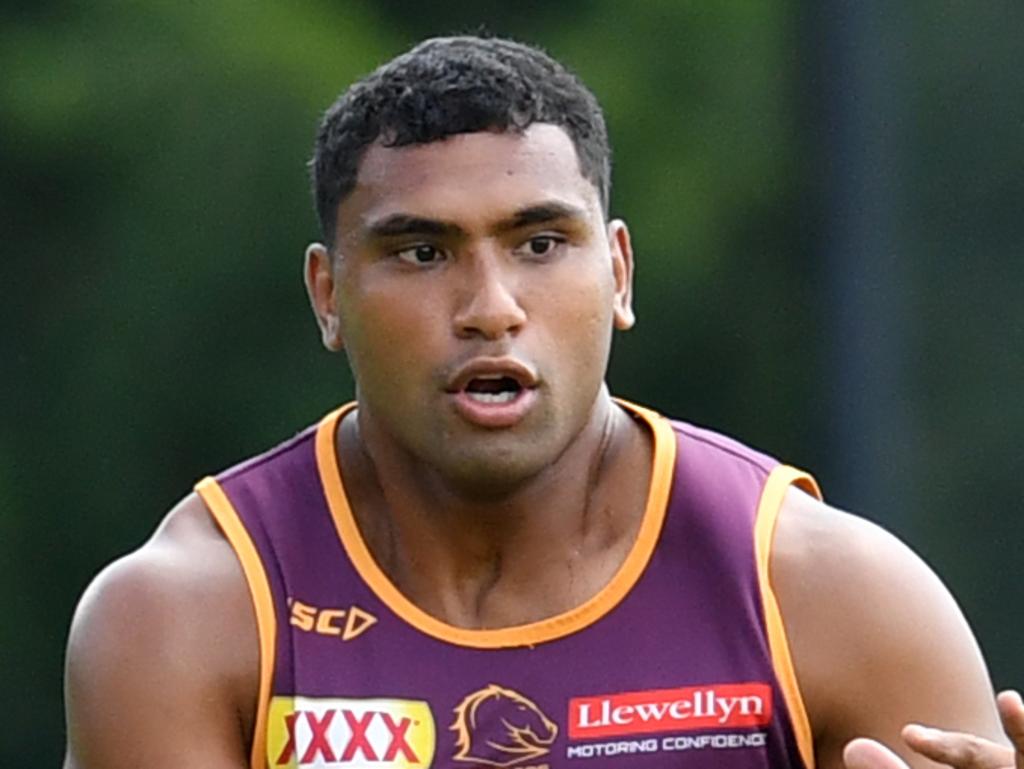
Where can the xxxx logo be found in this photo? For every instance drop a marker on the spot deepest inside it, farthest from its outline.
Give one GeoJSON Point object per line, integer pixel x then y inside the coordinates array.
{"type": "Point", "coordinates": [336, 732]}
{"type": "Point", "coordinates": [495, 726]}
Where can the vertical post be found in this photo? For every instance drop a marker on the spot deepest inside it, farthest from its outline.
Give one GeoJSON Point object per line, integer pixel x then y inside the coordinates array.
{"type": "Point", "coordinates": [855, 76]}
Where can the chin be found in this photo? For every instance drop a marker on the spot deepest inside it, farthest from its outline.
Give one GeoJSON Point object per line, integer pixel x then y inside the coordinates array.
{"type": "Point", "coordinates": [495, 472]}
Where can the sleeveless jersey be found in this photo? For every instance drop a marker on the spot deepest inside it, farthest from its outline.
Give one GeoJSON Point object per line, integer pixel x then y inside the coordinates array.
{"type": "Point", "coordinates": [680, 660]}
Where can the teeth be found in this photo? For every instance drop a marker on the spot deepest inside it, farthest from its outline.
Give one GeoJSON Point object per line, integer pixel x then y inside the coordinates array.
{"type": "Point", "coordinates": [506, 396]}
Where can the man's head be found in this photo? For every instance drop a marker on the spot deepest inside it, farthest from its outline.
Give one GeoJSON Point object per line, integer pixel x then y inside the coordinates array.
{"type": "Point", "coordinates": [469, 270]}
{"type": "Point", "coordinates": [454, 85]}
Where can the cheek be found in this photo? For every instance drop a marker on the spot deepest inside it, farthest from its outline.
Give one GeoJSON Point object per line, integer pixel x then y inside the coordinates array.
{"type": "Point", "coordinates": [389, 333]}
{"type": "Point", "coordinates": [585, 306]}
{"type": "Point", "coordinates": [580, 324]}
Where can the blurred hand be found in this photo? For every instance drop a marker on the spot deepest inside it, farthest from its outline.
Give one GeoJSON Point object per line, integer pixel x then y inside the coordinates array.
{"type": "Point", "coordinates": [955, 749]}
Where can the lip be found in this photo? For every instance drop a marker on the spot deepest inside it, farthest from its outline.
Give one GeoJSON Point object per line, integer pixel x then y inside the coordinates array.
{"type": "Point", "coordinates": [493, 415]}
{"type": "Point", "coordinates": [524, 376]}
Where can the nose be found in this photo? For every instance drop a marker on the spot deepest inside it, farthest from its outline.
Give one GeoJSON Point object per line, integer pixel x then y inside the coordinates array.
{"type": "Point", "coordinates": [488, 305]}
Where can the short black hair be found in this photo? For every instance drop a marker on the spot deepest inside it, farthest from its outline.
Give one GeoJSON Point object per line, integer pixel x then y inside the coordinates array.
{"type": "Point", "coordinates": [453, 85]}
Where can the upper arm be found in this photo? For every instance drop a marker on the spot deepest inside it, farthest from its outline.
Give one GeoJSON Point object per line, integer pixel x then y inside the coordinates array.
{"type": "Point", "coordinates": [877, 640]}
{"type": "Point", "coordinates": [161, 658]}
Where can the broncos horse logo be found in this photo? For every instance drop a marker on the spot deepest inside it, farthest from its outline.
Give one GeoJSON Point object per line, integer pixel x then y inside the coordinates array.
{"type": "Point", "coordinates": [500, 727]}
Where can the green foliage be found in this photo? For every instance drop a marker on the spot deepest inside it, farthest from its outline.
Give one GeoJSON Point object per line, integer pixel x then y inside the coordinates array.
{"type": "Point", "coordinates": [965, 240]}
{"type": "Point", "coordinates": [160, 211]}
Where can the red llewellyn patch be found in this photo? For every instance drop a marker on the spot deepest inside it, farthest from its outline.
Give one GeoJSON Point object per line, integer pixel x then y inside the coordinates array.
{"type": "Point", "coordinates": [721, 706]}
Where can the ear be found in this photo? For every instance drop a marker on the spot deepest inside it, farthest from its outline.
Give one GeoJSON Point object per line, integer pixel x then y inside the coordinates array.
{"type": "Point", "coordinates": [320, 285]}
{"type": "Point", "coordinates": [622, 270]}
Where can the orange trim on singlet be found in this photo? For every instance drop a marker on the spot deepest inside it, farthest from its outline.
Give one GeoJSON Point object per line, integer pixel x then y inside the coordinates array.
{"type": "Point", "coordinates": [259, 588]}
{"type": "Point", "coordinates": [519, 635]}
{"type": "Point", "coordinates": [779, 481]}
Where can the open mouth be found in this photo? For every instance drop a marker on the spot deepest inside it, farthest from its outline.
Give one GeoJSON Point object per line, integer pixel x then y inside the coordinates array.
{"type": "Point", "coordinates": [493, 389]}
{"type": "Point", "coordinates": [494, 392]}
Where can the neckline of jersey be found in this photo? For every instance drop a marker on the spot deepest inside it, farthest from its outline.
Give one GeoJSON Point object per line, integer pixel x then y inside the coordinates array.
{"type": "Point", "coordinates": [530, 634]}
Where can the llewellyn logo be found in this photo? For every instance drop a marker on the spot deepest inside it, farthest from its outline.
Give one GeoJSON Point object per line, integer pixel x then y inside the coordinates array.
{"type": "Point", "coordinates": [495, 726]}
{"type": "Point", "coordinates": [670, 710]}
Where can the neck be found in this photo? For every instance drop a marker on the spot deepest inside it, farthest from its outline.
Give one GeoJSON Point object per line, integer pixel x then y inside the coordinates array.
{"type": "Point", "coordinates": [449, 548]}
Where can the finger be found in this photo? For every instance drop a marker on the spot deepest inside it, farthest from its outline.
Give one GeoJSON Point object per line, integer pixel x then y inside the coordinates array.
{"type": "Point", "coordinates": [863, 753]}
{"type": "Point", "coordinates": [1011, 711]}
{"type": "Point", "coordinates": [957, 749]}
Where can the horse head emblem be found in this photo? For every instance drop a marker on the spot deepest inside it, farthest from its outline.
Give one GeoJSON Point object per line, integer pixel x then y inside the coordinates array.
{"type": "Point", "coordinates": [495, 726]}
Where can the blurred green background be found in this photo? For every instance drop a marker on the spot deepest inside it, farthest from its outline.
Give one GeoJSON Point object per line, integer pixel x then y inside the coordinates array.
{"type": "Point", "coordinates": [825, 200]}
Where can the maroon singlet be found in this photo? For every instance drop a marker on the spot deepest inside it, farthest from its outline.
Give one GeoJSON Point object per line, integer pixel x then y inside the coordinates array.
{"type": "Point", "coordinates": [680, 661]}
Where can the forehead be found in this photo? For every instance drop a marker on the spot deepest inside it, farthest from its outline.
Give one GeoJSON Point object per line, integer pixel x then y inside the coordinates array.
{"type": "Point", "coordinates": [469, 178]}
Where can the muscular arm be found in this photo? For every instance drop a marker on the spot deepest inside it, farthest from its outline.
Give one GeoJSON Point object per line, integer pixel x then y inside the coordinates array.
{"type": "Point", "coordinates": [877, 640]}
{"type": "Point", "coordinates": [162, 665]}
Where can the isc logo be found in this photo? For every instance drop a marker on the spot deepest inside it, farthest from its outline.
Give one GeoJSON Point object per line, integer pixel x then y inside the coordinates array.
{"type": "Point", "coordinates": [336, 732]}
{"type": "Point", "coordinates": [347, 623]}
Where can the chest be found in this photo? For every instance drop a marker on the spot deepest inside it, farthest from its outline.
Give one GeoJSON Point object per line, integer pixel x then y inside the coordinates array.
{"type": "Point", "coordinates": [658, 680]}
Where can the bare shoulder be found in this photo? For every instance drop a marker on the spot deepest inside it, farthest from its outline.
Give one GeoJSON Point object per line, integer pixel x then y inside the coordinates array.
{"type": "Point", "coordinates": [876, 638]}
{"type": "Point", "coordinates": [162, 661]}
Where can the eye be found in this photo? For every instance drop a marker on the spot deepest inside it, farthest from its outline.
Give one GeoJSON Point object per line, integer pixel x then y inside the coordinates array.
{"type": "Point", "coordinates": [421, 254]}
{"type": "Point", "coordinates": [540, 245]}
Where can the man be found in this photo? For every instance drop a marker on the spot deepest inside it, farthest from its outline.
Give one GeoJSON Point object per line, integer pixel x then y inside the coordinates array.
{"type": "Point", "coordinates": [487, 561]}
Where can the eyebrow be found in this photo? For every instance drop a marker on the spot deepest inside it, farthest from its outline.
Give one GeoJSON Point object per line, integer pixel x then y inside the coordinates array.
{"type": "Point", "coordinates": [399, 225]}
{"type": "Point", "coordinates": [542, 213]}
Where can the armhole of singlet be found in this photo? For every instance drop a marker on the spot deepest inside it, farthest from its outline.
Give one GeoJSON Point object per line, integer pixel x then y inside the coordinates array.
{"type": "Point", "coordinates": [779, 481]}
{"type": "Point", "coordinates": [229, 522]}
